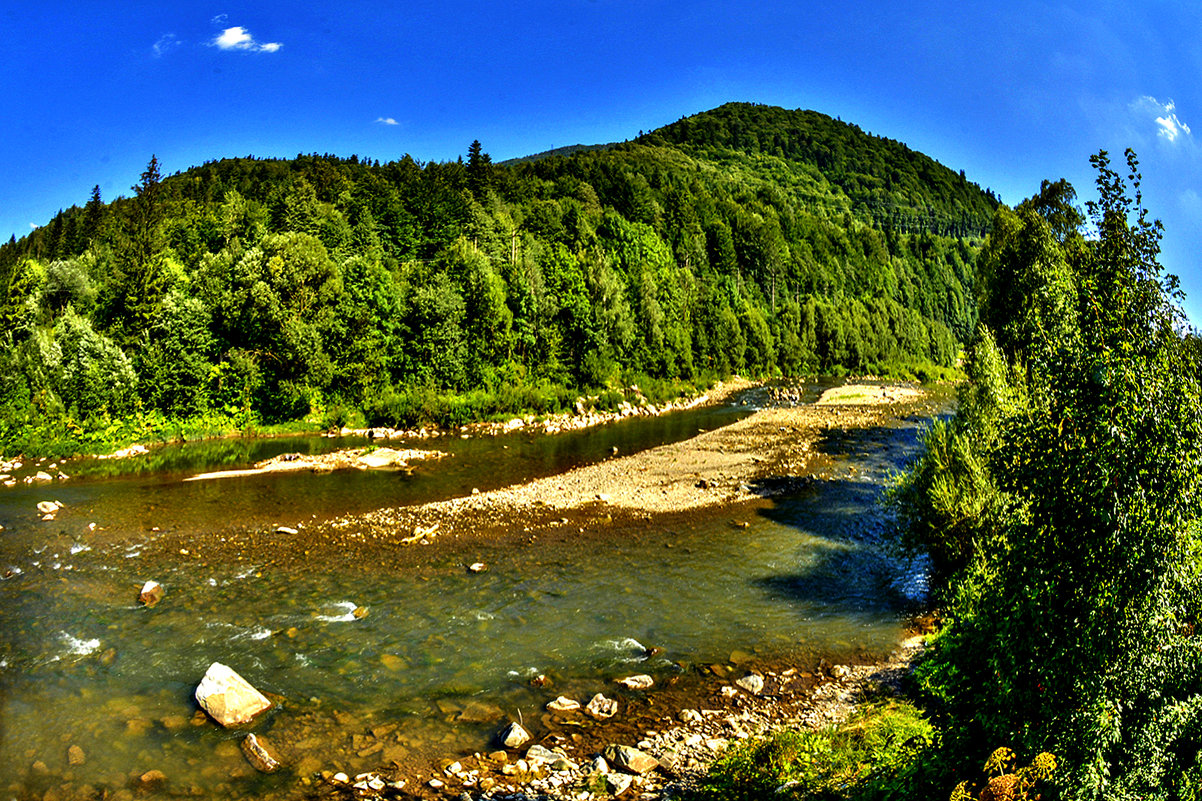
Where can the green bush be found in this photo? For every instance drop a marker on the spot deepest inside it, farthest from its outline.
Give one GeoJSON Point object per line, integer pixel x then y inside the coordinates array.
{"type": "Point", "coordinates": [875, 754]}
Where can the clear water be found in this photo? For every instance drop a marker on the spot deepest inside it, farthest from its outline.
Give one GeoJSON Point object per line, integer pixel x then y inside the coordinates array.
{"type": "Point", "coordinates": [81, 663]}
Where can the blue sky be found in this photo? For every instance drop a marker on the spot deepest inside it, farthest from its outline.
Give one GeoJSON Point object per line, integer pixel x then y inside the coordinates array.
{"type": "Point", "coordinates": [1009, 92]}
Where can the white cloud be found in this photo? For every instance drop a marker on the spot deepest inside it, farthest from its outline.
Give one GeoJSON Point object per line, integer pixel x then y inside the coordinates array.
{"type": "Point", "coordinates": [1164, 115]}
{"type": "Point", "coordinates": [238, 38]}
{"type": "Point", "coordinates": [34, 226]}
{"type": "Point", "coordinates": [166, 43]}
{"type": "Point", "coordinates": [220, 19]}
{"type": "Point", "coordinates": [387, 121]}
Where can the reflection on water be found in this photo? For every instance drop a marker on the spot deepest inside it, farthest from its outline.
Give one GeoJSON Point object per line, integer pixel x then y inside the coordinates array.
{"type": "Point", "coordinates": [440, 656]}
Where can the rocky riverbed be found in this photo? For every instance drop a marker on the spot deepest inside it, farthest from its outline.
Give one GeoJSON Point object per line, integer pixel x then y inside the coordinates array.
{"type": "Point", "coordinates": [685, 713]}
{"type": "Point", "coordinates": [675, 729]}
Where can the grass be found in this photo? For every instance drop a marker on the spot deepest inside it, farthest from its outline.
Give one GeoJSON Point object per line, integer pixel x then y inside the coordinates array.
{"type": "Point", "coordinates": [872, 755]}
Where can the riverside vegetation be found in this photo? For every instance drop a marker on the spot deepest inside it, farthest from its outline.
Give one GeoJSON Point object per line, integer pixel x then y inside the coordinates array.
{"type": "Point", "coordinates": [256, 293]}
{"type": "Point", "coordinates": [1061, 509]}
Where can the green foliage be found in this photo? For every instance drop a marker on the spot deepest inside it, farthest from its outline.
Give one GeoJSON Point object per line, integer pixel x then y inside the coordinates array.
{"type": "Point", "coordinates": [1073, 495]}
{"type": "Point", "coordinates": [751, 240]}
{"type": "Point", "coordinates": [873, 755]}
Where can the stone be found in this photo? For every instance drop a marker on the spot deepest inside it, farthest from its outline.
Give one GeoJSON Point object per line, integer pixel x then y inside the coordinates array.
{"type": "Point", "coordinates": [752, 683]}
{"type": "Point", "coordinates": [638, 682]}
{"type": "Point", "coordinates": [259, 754]}
{"type": "Point", "coordinates": [152, 779]}
{"type": "Point", "coordinates": [563, 704]}
{"type": "Point", "coordinates": [617, 783]}
{"type": "Point", "coordinates": [151, 594]}
{"type": "Point", "coordinates": [42, 476]}
{"type": "Point", "coordinates": [48, 507]}
{"type": "Point", "coordinates": [631, 760]}
{"type": "Point", "coordinates": [286, 530]}
{"type": "Point", "coordinates": [228, 698]}
{"type": "Point", "coordinates": [477, 567]}
{"type": "Point", "coordinates": [540, 753]}
{"type": "Point", "coordinates": [601, 707]}
{"type": "Point", "coordinates": [841, 671]}
{"type": "Point", "coordinates": [359, 612]}
{"type": "Point", "coordinates": [600, 766]}
{"type": "Point", "coordinates": [75, 756]}
{"type": "Point", "coordinates": [480, 712]}
{"type": "Point", "coordinates": [513, 736]}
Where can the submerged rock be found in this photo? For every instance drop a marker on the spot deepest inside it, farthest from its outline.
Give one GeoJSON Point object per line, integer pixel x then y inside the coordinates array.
{"type": "Point", "coordinates": [639, 682]}
{"type": "Point", "coordinates": [601, 707]}
{"type": "Point", "coordinates": [49, 507]}
{"type": "Point", "coordinates": [258, 754]}
{"type": "Point", "coordinates": [563, 704]}
{"type": "Point", "coordinates": [151, 594]}
{"type": "Point", "coordinates": [228, 698]}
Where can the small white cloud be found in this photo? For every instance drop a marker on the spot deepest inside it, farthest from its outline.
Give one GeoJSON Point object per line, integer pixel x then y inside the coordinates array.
{"type": "Point", "coordinates": [238, 38]}
{"type": "Point", "coordinates": [220, 19]}
{"type": "Point", "coordinates": [34, 226]}
{"type": "Point", "coordinates": [1164, 115]}
{"type": "Point", "coordinates": [166, 43]}
{"type": "Point", "coordinates": [387, 121]}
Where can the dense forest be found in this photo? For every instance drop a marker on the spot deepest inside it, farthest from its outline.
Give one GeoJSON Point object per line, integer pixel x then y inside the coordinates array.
{"type": "Point", "coordinates": [746, 239]}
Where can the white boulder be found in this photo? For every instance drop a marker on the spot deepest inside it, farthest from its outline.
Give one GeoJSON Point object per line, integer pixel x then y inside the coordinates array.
{"type": "Point", "coordinates": [228, 698]}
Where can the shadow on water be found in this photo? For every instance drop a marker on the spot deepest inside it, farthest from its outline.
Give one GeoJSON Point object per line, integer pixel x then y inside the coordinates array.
{"type": "Point", "coordinates": [844, 560]}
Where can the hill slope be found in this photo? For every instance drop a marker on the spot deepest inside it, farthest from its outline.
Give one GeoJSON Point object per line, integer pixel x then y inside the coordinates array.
{"type": "Point", "coordinates": [747, 239]}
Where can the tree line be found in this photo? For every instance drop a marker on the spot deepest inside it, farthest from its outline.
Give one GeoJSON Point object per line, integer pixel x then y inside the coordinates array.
{"type": "Point", "coordinates": [266, 290]}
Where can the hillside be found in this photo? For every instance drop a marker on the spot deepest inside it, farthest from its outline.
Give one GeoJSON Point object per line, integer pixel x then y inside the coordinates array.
{"type": "Point", "coordinates": [746, 239]}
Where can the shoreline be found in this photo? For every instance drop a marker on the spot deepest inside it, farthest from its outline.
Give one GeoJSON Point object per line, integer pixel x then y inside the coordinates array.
{"type": "Point", "coordinates": [690, 719]}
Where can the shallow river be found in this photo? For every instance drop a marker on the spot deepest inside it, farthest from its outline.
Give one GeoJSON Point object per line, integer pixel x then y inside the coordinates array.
{"type": "Point", "coordinates": [441, 652]}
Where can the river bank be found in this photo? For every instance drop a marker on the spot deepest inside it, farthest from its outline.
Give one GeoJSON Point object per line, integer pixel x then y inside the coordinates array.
{"type": "Point", "coordinates": [690, 718]}
{"type": "Point", "coordinates": [399, 640]}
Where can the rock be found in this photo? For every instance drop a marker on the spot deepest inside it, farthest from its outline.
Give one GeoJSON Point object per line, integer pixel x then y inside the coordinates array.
{"type": "Point", "coordinates": [49, 507]}
{"type": "Point", "coordinates": [639, 682]}
{"type": "Point", "coordinates": [841, 671]}
{"type": "Point", "coordinates": [152, 779]}
{"type": "Point", "coordinates": [42, 476]}
{"type": "Point", "coordinates": [513, 736]}
{"type": "Point", "coordinates": [381, 457]}
{"type": "Point", "coordinates": [151, 594]}
{"type": "Point", "coordinates": [538, 754]}
{"type": "Point", "coordinates": [690, 716]}
{"type": "Point", "coordinates": [601, 707]}
{"type": "Point", "coordinates": [563, 704]}
{"type": "Point", "coordinates": [75, 756]}
{"type": "Point", "coordinates": [631, 760]}
{"type": "Point", "coordinates": [617, 783]}
{"type": "Point", "coordinates": [477, 567]}
{"type": "Point", "coordinates": [752, 683]}
{"type": "Point", "coordinates": [259, 755]}
{"type": "Point", "coordinates": [359, 612]}
{"type": "Point", "coordinates": [228, 698]}
{"type": "Point", "coordinates": [286, 530]}
{"type": "Point", "coordinates": [480, 712]}
{"type": "Point", "coordinates": [600, 766]}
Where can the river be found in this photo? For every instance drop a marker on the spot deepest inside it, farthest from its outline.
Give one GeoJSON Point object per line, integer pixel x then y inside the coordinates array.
{"type": "Point", "coordinates": [436, 652]}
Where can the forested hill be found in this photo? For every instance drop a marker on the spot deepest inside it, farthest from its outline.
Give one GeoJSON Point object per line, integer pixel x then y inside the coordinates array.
{"type": "Point", "coordinates": [897, 186]}
{"type": "Point", "coordinates": [746, 239]}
